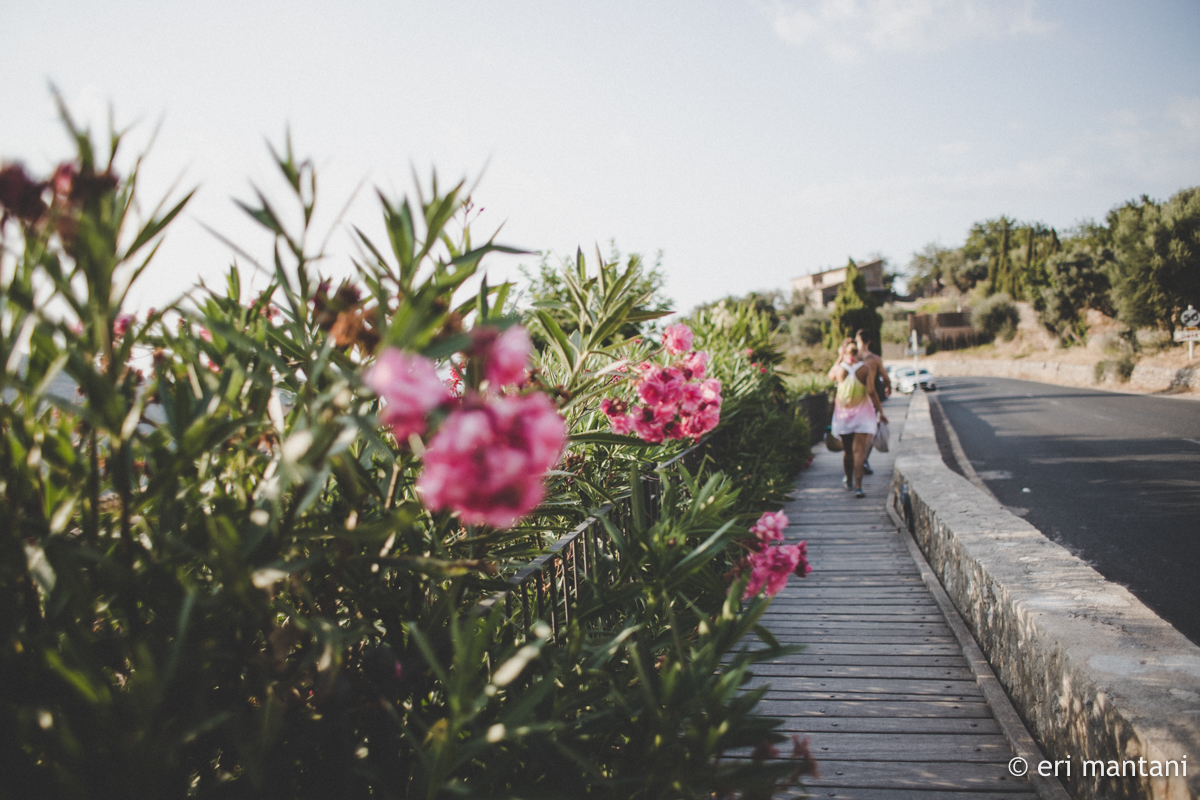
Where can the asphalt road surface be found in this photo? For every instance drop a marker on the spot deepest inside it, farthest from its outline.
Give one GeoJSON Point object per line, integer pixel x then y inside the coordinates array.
{"type": "Point", "coordinates": [1114, 478]}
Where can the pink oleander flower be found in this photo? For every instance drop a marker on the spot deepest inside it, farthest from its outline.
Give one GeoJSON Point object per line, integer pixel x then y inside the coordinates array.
{"type": "Point", "coordinates": [803, 567]}
{"type": "Point", "coordinates": [648, 425]}
{"type": "Point", "coordinates": [695, 426]}
{"type": "Point", "coordinates": [703, 421]}
{"type": "Point", "coordinates": [455, 382]}
{"type": "Point", "coordinates": [693, 365]}
{"type": "Point", "coordinates": [616, 410]}
{"type": "Point", "coordinates": [660, 387]}
{"type": "Point", "coordinates": [770, 569]}
{"type": "Point", "coordinates": [507, 360]}
{"type": "Point", "coordinates": [769, 527]}
{"type": "Point", "coordinates": [712, 391]}
{"type": "Point", "coordinates": [692, 397]}
{"type": "Point", "coordinates": [487, 461]}
{"type": "Point", "coordinates": [677, 339]}
{"type": "Point", "coordinates": [410, 388]}
{"type": "Point", "coordinates": [64, 179]}
{"type": "Point", "coordinates": [121, 325]}
{"type": "Point", "coordinates": [663, 414]}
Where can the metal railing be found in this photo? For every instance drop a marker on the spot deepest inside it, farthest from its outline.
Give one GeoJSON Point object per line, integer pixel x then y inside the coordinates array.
{"type": "Point", "coordinates": [548, 587]}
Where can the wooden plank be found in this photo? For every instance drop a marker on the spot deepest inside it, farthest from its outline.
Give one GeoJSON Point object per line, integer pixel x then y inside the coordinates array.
{"type": "Point", "coordinates": [899, 748]}
{"type": "Point", "coordinates": [863, 627]}
{"type": "Point", "coordinates": [787, 605]}
{"type": "Point", "coordinates": [935, 776]}
{"type": "Point", "coordinates": [860, 632]}
{"type": "Point", "coordinates": [781, 686]}
{"type": "Point", "coordinates": [813, 586]}
{"type": "Point", "coordinates": [874, 525]}
{"type": "Point", "coordinates": [827, 695]}
{"type": "Point", "coordinates": [850, 635]}
{"type": "Point", "coordinates": [868, 568]}
{"type": "Point", "coordinates": [923, 708]}
{"type": "Point", "coordinates": [869, 605]}
{"type": "Point", "coordinates": [857, 562]}
{"type": "Point", "coordinates": [855, 648]}
{"type": "Point", "coordinates": [872, 606]}
{"type": "Point", "coordinates": [841, 671]}
{"type": "Point", "coordinates": [841, 660]}
{"type": "Point", "coordinates": [862, 550]}
{"type": "Point", "coordinates": [817, 517]}
{"type": "Point", "coordinates": [920, 747]}
{"type": "Point", "coordinates": [892, 725]}
{"type": "Point", "coordinates": [845, 579]}
{"type": "Point", "coordinates": [864, 595]}
{"type": "Point", "coordinates": [879, 613]}
{"type": "Point", "coordinates": [856, 793]}
{"type": "Point", "coordinates": [846, 598]}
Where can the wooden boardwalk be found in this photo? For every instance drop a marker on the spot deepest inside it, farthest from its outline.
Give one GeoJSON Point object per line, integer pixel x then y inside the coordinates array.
{"type": "Point", "coordinates": [883, 690]}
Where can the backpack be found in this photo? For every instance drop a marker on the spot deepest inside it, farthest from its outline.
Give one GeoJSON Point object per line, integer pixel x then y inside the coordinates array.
{"type": "Point", "coordinates": [851, 390]}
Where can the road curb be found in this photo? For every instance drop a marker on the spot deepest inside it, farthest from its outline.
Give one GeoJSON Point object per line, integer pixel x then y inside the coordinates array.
{"type": "Point", "coordinates": [1093, 672]}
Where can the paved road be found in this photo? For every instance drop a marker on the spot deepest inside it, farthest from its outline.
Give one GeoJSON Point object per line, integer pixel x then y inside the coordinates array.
{"type": "Point", "coordinates": [1114, 478]}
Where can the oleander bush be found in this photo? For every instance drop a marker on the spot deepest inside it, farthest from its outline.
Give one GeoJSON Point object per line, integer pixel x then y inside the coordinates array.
{"type": "Point", "coordinates": [244, 553]}
{"type": "Point", "coordinates": [765, 439]}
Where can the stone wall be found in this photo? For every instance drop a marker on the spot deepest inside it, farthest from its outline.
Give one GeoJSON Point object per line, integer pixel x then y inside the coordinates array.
{"type": "Point", "coordinates": [1094, 673]}
{"type": "Point", "coordinates": [1145, 378]}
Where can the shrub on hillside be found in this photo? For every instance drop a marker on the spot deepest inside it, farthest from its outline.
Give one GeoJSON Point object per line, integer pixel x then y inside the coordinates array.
{"type": "Point", "coordinates": [894, 331]}
{"type": "Point", "coordinates": [808, 329]}
{"type": "Point", "coordinates": [1076, 282]}
{"type": "Point", "coordinates": [996, 316]}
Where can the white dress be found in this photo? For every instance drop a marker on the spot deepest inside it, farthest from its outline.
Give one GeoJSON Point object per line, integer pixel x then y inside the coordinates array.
{"type": "Point", "coordinates": [853, 411]}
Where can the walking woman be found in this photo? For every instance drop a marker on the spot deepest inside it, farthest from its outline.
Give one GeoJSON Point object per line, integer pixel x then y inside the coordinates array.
{"type": "Point", "coordinates": [855, 410]}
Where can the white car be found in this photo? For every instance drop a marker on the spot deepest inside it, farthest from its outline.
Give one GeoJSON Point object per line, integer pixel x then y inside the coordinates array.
{"type": "Point", "coordinates": [907, 379]}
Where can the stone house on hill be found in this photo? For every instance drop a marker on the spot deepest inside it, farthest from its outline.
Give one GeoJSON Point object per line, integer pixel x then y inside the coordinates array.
{"type": "Point", "coordinates": [822, 287]}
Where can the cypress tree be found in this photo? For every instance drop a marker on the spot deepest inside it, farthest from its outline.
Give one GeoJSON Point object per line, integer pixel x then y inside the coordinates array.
{"type": "Point", "coordinates": [1004, 277]}
{"type": "Point", "coordinates": [854, 308]}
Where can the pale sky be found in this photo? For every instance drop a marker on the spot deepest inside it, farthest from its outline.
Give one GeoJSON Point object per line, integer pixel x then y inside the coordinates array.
{"type": "Point", "coordinates": [751, 141]}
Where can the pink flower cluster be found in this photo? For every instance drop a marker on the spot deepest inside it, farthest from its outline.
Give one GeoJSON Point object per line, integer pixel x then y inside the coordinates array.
{"type": "Point", "coordinates": [769, 527]}
{"type": "Point", "coordinates": [505, 356]}
{"type": "Point", "coordinates": [410, 388]}
{"type": "Point", "coordinates": [487, 460]}
{"type": "Point", "coordinates": [676, 400]}
{"type": "Point", "coordinates": [677, 339]}
{"type": "Point", "coordinates": [770, 564]}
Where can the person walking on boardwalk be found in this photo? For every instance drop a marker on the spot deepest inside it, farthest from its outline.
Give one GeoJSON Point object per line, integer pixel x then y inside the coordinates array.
{"type": "Point", "coordinates": [857, 411]}
{"type": "Point", "coordinates": [883, 381]}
